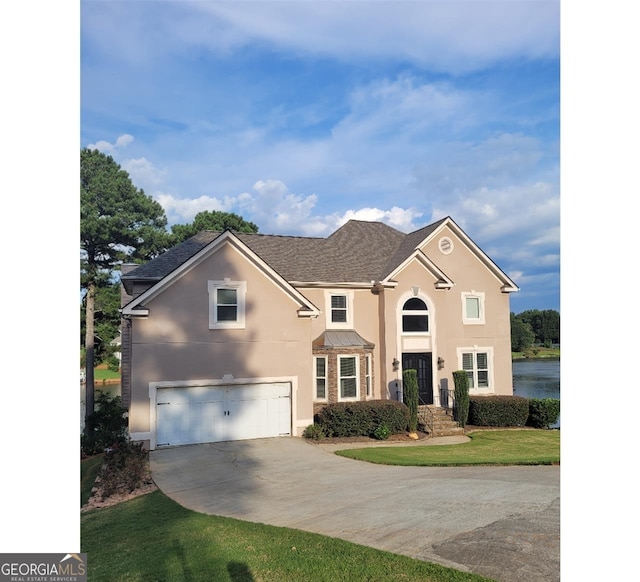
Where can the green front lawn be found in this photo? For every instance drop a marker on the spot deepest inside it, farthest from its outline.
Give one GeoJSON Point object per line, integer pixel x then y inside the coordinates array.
{"type": "Point", "coordinates": [100, 374]}
{"type": "Point", "coordinates": [487, 447]}
{"type": "Point", "coordinates": [153, 538]}
{"type": "Point", "coordinates": [89, 469]}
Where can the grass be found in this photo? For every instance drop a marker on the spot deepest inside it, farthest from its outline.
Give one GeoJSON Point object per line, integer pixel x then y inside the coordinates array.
{"type": "Point", "coordinates": [100, 374]}
{"type": "Point", "coordinates": [537, 353]}
{"type": "Point", "coordinates": [89, 469]}
{"type": "Point", "coordinates": [153, 538]}
{"type": "Point", "coordinates": [486, 447]}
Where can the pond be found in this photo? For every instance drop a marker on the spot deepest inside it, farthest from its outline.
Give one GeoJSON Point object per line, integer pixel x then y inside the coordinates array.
{"type": "Point", "coordinates": [537, 379]}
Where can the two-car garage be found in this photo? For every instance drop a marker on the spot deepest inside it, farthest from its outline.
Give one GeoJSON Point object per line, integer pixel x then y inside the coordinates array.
{"type": "Point", "coordinates": [205, 414]}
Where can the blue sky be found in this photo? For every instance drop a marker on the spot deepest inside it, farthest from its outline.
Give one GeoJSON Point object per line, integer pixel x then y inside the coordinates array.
{"type": "Point", "coordinates": [301, 115]}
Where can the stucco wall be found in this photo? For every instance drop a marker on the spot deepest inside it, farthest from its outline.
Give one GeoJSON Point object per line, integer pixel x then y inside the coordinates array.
{"type": "Point", "coordinates": [174, 343]}
{"type": "Point", "coordinates": [447, 330]}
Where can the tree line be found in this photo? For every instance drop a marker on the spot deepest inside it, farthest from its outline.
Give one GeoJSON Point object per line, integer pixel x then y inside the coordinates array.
{"type": "Point", "coordinates": [534, 327]}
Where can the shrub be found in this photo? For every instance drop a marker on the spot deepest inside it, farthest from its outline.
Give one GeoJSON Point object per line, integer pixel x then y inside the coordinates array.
{"type": "Point", "coordinates": [543, 412]}
{"type": "Point", "coordinates": [410, 397]}
{"type": "Point", "coordinates": [124, 468]}
{"type": "Point", "coordinates": [345, 419]}
{"type": "Point", "coordinates": [107, 425]}
{"type": "Point", "coordinates": [382, 433]}
{"type": "Point", "coordinates": [498, 410]}
{"type": "Point", "coordinates": [113, 364]}
{"type": "Point", "coordinates": [461, 409]}
{"type": "Point", "coordinates": [314, 431]}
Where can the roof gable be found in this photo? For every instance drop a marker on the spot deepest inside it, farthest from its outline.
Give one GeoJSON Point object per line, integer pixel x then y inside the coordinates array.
{"type": "Point", "coordinates": [508, 285]}
{"type": "Point", "coordinates": [135, 307]}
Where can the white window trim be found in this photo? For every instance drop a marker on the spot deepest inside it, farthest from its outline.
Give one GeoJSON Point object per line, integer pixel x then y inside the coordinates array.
{"type": "Point", "coordinates": [368, 378]}
{"type": "Point", "coordinates": [404, 312]}
{"type": "Point", "coordinates": [241, 288]}
{"type": "Point", "coordinates": [357, 396]}
{"type": "Point", "coordinates": [472, 295]}
{"type": "Point", "coordinates": [475, 350]}
{"type": "Point", "coordinates": [334, 324]}
{"type": "Point", "coordinates": [316, 377]}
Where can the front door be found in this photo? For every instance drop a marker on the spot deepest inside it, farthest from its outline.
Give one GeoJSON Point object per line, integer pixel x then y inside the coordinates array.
{"type": "Point", "coordinates": [422, 363]}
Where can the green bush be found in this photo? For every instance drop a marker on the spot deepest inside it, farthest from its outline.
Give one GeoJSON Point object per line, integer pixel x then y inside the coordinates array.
{"type": "Point", "coordinates": [543, 412]}
{"type": "Point", "coordinates": [314, 432]}
{"type": "Point", "coordinates": [461, 408]}
{"type": "Point", "coordinates": [107, 425]}
{"type": "Point", "coordinates": [113, 364]}
{"type": "Point", "coordinates": [124, 468]}
{"type": "Point", "coordinates": [498, 410]}
{"type": "Point", "coordinates": [410, 397]}
{"type": "Point", "coordinates": [344, 419]}
{"type": "Point", "coordinates": [382, 433]}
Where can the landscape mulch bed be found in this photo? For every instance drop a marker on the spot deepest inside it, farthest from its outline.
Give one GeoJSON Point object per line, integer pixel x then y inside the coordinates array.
{"type": "Point", "coordinates": [394, 438]}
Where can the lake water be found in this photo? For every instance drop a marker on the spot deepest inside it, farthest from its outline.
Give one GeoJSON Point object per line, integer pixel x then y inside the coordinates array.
{"type": "Point", "coordinates": [531, 379]}
{"type": "Point", "coordinates": [537, 379]}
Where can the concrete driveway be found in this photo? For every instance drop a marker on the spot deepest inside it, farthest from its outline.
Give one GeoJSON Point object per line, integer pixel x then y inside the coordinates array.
{"type": "Point", "coordinates": [500, 522]}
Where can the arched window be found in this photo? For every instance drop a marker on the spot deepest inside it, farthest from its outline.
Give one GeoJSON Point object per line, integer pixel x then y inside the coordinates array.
{"type": "Point", "coordinates": [415, 316]}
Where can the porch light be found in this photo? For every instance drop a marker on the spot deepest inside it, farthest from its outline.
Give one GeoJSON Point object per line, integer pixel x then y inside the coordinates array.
{"type": "Point", "coordinates": [395, 364]}
{"type": "Point", "coordinates": [440, 363]}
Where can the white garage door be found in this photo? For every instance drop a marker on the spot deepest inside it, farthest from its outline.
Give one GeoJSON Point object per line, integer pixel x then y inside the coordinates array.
{"type": "Point", "coordinates": [207, 414]}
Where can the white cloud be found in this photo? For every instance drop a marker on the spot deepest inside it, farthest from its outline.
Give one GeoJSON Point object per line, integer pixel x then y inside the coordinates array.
{"type": "Point", "coordinates": [277, 211]}
{"type": "Point", "coordinates": [399, 218]}
{"type": "Point", "coordinates": [109, 148]}
{"type": "Point", "coordinates": [184, 210]}
{"type": "Point", "coordinates": [447, 36]}
{"type": "Point", "coordinates": [143, 173]}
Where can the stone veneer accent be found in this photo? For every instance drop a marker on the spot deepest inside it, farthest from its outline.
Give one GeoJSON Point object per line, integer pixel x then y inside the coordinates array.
{"type": "Point", "coordinates": [332, 373]}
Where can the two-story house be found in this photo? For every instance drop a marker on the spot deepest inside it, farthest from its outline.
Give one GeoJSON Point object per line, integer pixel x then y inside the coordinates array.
{"type": "Point", "coordinates": [236, 336]}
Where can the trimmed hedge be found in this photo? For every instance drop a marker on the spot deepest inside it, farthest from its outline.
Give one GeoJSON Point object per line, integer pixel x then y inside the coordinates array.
{"type": "Point", "coordinates": [344, 419]}
{"type": "Point", "coordinates": [410, 397]}
{"type": "Point", "coordinates": [498, 410]}
{"type": "Point", "coordinates": [543, 412]}
{"type": "Point", "coordinates": [461, 408]}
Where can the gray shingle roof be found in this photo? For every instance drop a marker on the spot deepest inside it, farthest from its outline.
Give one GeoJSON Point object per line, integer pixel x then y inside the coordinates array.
{"type": "Point", "coordinates": [359, 251]}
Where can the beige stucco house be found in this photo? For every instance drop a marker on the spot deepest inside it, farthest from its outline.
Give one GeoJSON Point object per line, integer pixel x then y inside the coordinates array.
{"type": "Point", "coordinates": [236, 336]}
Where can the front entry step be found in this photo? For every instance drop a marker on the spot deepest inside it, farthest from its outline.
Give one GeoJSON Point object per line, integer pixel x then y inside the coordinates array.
{"type": "Point", "coordinates": [438, 421]}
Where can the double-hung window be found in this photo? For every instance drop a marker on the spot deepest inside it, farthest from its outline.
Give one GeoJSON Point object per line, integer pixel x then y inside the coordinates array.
{"type": "Point", "coordinates": [348, 377]}
{"type": "Point", "coordinates": [320, 377]}
{"type": "Point", "coordinates": [339, 309]}
{"type": "Point", "coordinates": [226, 304]}
{"type": "Point", "coordinates": [367, 378]}
{"type": "Point", "coordinates": [476, 362]}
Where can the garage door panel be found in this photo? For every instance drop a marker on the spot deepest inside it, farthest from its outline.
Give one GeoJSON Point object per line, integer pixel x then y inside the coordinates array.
{"type": "Point", "coordinates": [173, 423]}
{"type": "Point", "coordinates": [206, 421]}
{"type": "Point", "coordinates": [220, 413]}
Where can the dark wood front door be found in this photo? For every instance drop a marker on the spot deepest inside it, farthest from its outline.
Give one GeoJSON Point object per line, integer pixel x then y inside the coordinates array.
{"type": "Point", "coordinates": [422, 363]}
